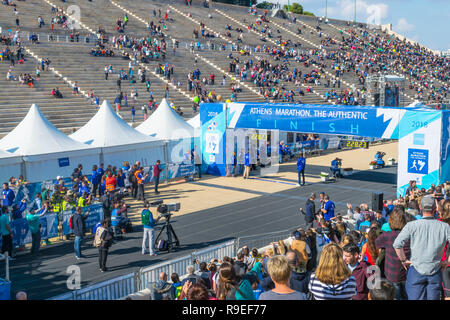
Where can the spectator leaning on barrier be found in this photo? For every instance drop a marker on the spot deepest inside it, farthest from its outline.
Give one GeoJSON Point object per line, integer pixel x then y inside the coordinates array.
{"type": "Point", "coordinates": [232, 287]}
{"type": "Point", "coordinates": [428, 238]}
{"type": "Point", "coordinates": [35, 227]}
{"type": "Point", "coordinates": [280, 273]}
{"type": "Point", "coordinates": [162, 290]}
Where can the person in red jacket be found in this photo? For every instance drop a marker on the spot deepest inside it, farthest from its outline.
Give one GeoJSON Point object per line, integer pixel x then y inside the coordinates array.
{"type": "Point", "coordinates": [156, 172]}
{"type": "Point", "coordinates": [359, 270]}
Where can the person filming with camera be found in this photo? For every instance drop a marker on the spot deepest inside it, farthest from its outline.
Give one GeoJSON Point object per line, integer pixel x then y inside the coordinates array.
{"type": "Point", "coordinates": [149, 226]}
{"type": "Point", "coordinates": [336, 167]}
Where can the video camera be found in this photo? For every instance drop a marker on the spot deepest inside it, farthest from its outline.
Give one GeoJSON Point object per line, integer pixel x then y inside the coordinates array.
{"type": "Point", "coordinates": [165, 209]}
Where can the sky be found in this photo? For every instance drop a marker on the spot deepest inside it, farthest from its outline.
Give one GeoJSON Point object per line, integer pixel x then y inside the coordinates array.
{"type": "Point", "coordinates": [424, 21]}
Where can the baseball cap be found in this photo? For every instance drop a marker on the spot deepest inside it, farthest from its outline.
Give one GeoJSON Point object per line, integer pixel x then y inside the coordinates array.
{"type": "Point", "coordinates": [427, 203]}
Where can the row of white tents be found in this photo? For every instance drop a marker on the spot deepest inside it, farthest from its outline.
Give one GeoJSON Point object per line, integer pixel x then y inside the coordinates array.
{"type": "Point", "coordinates": [39, 151]}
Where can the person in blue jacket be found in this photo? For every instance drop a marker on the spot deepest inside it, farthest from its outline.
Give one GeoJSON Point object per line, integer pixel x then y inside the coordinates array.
{"type": "Point", "coordinates": [95, 181]}
{"type": "Point", "coordinates": [280, 152]}
{"type": "Point", "coordinates": [301, 163]}
{"type": "Point", "coordinates": [18, 209]}
{"type": "Point", "coordinates": [8, 196]}
{"type": "Point", "coordinates": [247, 165]}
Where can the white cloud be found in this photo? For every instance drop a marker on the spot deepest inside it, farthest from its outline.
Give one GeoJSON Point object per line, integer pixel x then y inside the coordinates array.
{"type": "Point", "coordinates": [403, 26]}
{"type": "Point", "coordinates": [366, 11]}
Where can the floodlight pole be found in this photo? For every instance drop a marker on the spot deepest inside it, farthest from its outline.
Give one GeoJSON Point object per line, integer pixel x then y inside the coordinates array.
{"type": "Point", "coordinates": [326, 9]}
{"type": "Point", "coordinates": [354, 20]}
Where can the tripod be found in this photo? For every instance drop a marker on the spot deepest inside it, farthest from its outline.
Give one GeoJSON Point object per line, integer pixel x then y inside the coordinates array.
{"type": "Point", "coordinates": [169, 232]}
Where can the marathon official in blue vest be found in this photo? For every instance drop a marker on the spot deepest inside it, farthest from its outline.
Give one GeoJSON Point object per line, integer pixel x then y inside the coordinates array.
{"type": "Point", "coordinates": [247, 165]}
{"type": "Point", "coordinates": [301, 163]}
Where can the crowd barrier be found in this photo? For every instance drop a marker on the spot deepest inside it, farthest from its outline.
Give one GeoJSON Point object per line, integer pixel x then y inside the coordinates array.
{"type": "Point", "coordinates": [113, 289]}
{"type": "Point", "coordinates": [120, 287]}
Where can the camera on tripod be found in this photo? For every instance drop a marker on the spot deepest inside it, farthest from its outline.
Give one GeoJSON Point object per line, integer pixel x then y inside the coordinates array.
{"type": "Point", "coordinates": [171, 240]}
{"type": "Point", "coordinates": [165, 208]}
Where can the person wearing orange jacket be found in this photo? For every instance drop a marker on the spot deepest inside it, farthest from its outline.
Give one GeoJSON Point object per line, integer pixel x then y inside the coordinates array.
{"type": "Point", "coordinates": [110, 182]}
{"type": "Point", "coordinates": [140, 177]}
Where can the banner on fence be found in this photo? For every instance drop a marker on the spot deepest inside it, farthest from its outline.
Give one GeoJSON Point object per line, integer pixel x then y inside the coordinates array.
{"type": "Point", "coordinates": [22, 234]}
{"type": "Point", "coordinates": [95, 216]}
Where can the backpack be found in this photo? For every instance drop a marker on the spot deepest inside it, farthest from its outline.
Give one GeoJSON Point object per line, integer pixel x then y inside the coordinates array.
{"type": "Point", "coordinates": [71, 223]}
{"type": "Point", "coordinates": [162, 245]}
{"type": "Point", "coordinates": [97, 239]}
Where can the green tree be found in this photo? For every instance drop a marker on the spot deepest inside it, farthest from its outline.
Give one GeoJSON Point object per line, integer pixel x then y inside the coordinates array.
{"type": "Point", "coordinates": [307, 13]}
{"type": "Point", "coordinates": [294, 8]}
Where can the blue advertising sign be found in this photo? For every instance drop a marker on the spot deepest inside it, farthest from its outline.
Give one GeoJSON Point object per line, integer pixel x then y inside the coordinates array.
{"type": "Point", "coordinates": [359, 120]}
{"type": "Point", "coordinates": [95, 216]}
{"type": "Point", "coordinates": [213, 120]}
{"type": "Point", "coordinates": [418, 161]}
{"type": "Point", "coordinates": [63, 162]}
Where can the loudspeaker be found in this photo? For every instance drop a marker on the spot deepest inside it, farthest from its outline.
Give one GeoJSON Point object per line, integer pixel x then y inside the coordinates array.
{"type": "Point", "coordinates": [377, 201]}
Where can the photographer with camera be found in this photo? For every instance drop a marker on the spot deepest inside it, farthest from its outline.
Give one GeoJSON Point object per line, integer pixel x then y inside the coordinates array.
{"type": "Point", "coordinates": [336, 167]}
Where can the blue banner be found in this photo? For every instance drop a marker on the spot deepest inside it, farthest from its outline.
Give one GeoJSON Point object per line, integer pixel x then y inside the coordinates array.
{"type": "Point", "coordinates": [22, 234]}
{"type": "Point", "coordinates": [181, 170]}
{"type": "Point", "coordinates": [96, 215]}
{"type": "Point", "coordinates": [374, 122]}
{"type": "Point", "coordinates": [213, 139]}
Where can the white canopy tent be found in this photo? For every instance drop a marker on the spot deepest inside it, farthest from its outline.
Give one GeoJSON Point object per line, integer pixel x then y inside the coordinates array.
{"type": "Point", "coordinates": [10, 166]}
{"type": "Point", "coordinates": [167, 125]}
{"type": "Point", "coordinates": [118, 140]}
{"type": "Point", "coordinates": [46, 151]}
{"type": "Point", "coordinates": [195, 121]}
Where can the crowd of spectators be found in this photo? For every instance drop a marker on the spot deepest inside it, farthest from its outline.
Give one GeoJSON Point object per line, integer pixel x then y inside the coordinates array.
{"type": "Point", "coordinates": [391, 254]}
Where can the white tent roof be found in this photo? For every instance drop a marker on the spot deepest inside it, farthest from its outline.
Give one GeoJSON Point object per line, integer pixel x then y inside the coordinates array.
{"type": "Point", "coordinates": [107, 129]}
{"type": "Point", "coordinates": [166, 124]}
{"type": "Point", "coordinates": [35, 135]}
{"type": "Point", "coordinates": [195, 121]}
{"type": "Point", "coordinates": [7, 157]}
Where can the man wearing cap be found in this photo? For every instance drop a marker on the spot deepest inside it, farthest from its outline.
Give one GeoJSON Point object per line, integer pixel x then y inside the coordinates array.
{"type": "Point", "coordinates": [427, 238]}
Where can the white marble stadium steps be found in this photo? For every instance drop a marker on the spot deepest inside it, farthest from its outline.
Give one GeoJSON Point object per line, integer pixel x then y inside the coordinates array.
{"type": "Point", "coordinates": [183, 63]}
{"type": "Point", "coordinates": [78, 65]}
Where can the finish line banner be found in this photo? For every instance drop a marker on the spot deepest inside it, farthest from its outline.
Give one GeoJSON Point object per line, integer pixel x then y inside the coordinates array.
{"type": "Point", "coordinates": [374, 122]}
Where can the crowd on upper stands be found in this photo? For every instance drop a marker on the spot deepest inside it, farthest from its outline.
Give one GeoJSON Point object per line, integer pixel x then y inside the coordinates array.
{"type": "Point", "coordinates": [406, 243]}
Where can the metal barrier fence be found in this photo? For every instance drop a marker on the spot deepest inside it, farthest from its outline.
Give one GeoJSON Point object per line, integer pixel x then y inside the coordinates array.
{"type": "Point", "coordinates": [112, 289]}
{"type": "Point", "coordinates": [179, 265]}
{"type": "Point", "coordinates": [122, 286]}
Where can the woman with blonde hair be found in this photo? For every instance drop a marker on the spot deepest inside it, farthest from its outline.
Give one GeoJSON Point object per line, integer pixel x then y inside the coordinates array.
{"type": "Point", "coordinates": [332, 279]}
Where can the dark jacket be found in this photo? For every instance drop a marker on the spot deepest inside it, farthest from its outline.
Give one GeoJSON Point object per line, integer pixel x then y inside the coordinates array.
{"type": "Point", "coordinates": [162, 290]}
{"type": "Point", "coordinates": [310, 210]}
{"type": "Point", "coordinates": [361, 275]}
{"type": "Point", "coordinates": [107, 238]}
{"type": "Point", "coordinates": [78, 225]}
{"type": "Point", "coordinates": [299, 281]}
